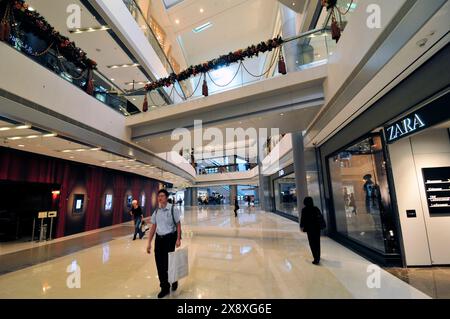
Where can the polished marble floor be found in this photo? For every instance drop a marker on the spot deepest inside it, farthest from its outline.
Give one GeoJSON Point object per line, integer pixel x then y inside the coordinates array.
{"type": "Point", "coordinates": [257, 255]}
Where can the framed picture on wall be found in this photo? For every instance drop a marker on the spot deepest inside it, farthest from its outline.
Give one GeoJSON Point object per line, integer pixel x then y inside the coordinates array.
{"type": "Point", "coordinates": [142, 200]}
{"type": "Point", "coordinates": [129, 200]}
{"type": "Point", "coordinates": [78, 203]}
{"type": "Point", "coordinates": [108, 202]}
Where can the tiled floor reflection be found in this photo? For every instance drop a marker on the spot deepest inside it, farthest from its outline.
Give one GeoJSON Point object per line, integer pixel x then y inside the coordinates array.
{"type": "Point", "coordinates": [257, 255]}
{"type": "Point", "coordinates": [434, 281]}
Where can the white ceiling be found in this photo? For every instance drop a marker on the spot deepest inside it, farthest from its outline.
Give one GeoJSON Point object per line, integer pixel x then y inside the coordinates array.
{"type": "Point", "coordinates": [236, 24]}
{"type": "Point", "coordinates": [54, 147]}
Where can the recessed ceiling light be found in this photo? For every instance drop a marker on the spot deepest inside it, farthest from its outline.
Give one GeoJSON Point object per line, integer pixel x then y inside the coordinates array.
{"type": "Point", "coordinates": [282, 114]}
{"type": "Point", "coordinates": [32, 136]}
{"type": "Point", "coordinates": [5, 128]}
{"type": "Point", "coordinates": [134, 99]}
{"type": "Point", "coordinates": [113, 79]}
{"type": "Point", "coordinates": [50, 135]}
{"type": "Point", "coordinates": [21, 145]}
{"type": "Point", "coordinates": [202, 27]}
{"type": "Point", "coordinates": [177, 21]}
{"type": "Point", "coordinates": [202, 10]}
{"type": "Point", "coordinates": [72, 157]}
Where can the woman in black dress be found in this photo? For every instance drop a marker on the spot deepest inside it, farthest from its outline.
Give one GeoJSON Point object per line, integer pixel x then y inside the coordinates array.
{"type": "Point", "coordinates": [312, 222]}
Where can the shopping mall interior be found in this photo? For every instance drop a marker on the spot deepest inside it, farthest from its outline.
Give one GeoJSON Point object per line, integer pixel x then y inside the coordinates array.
{"type": "Point", "coordinates": [238, 110]}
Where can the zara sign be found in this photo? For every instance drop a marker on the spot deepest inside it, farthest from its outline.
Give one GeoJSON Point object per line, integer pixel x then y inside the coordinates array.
{"type": "Point", "coordinates": [433, 113]}
{"type": "Point", "coordinates": [404, 127]}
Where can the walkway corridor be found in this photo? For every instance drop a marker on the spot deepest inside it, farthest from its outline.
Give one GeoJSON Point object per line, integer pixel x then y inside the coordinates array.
{"type": "Point", "coordinates": [257, 255]}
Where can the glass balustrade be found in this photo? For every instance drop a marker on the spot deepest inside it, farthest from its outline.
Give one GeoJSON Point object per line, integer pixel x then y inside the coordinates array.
{"type": "Point", "coordinates": [104, 91]}
{"type": "Point", "coordinates": [305, 51]}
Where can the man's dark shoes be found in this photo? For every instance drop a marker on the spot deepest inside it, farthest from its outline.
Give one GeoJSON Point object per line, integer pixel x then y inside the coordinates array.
{"type": "Point", "coordinates": [316, 262]}
{"type": "Point", "coordinates": [163, 293]}
{"type": "Point", "coordinates": [175, 286]}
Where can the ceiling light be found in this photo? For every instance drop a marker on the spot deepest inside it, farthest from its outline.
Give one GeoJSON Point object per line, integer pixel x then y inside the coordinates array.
{"type": "Point", "coordinates": [124, 65]}
{"type": "Point", "coordinates": [81, 150]}
{"type": "Point", "coordinates": [50, 135]}
{"type": "Point", "coordinates": [177, 21]}
{"type": "Point", "coordinates": [5, 128]}
{"type": "Point", "coordinates": [202, 27]}
{"type": "Point", "coordinates": [202, 10]}
{"type": "Point", "coordinates": [112, 79]}
{"type": "Point", "coordinates": [136, 83]}
{"type": "Point", "coordinates": [72, 157]}
{"type": "Point", "coordinates": [23, 127]}
{"type": "Point", "coordinates": [282, 114]}
{"type": "Point", "coordinates": [91, 29]}
{"type": "Point", "coordinates": [96, 149]}
{"type": "Point", "coordinates": [32, 136]}
{"type": "Point", "coordinates": [21, 145]}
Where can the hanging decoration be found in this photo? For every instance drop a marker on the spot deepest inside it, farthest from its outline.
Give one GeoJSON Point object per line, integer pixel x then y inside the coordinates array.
{"type": "Point", "coordinates": [336, 27]}
{"type": "Point", "coordinates": [281, 64]}
{"type": "Point", "coordinates": [205, 90]}
{"type": "Point", "coordinates": [15, 14]}
{"type": "Point", "coordinates": [222, 61]}
{"type": "Point", "coordinates": [145, 105]}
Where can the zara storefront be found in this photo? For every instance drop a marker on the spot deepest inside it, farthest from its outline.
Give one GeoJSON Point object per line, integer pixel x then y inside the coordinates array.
{"type": "Point", "coordinates": [387, 173]}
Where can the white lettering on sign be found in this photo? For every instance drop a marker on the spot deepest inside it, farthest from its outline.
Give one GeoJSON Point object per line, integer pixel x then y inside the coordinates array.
{"type": "Point", "coordinates": [406, 126]}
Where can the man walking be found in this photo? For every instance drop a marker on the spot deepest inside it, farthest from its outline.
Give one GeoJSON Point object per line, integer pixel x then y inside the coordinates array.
{"type": "Point", "coordinates": [166, 224]}
{"type": "Point", "coordinates": [136, 212]}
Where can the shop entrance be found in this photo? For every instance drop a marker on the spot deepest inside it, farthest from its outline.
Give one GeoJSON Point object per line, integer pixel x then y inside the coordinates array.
{"type": "Point", "coordinates": [20, 204]}
{"type": "Point", "coordinates": [361, 197]}
{"type": "Point", "coordinates": [421, 168]}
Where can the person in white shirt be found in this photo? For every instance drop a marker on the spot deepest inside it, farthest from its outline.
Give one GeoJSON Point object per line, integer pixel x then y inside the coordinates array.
{"type": "Point", "coordinates": [166, 224]}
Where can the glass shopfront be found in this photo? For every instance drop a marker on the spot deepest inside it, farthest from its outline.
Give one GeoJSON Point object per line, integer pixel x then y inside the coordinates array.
{"type": "Point", "coordinates": [285, 195]}
{"type": "Point", "coordinates": [360, 195]}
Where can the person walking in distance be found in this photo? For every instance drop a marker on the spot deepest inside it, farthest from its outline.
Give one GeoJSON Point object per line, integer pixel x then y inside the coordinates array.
{"type": "Point", "coordinates": [167, 227]}
{"type": "Point", "coordinates": [136, 212]}
{"type": "Point", "coordinates": [236, 206]}
{"type": "Point", "coordinates": [312, 222]}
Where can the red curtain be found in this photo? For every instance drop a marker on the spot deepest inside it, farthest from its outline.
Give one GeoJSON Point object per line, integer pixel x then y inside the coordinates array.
{"type": "Point", "coordinates": [22, 166]}
{"type": "Point", "coordinates": [95, 187]}
{"type": "Point", "coordinates": [68, 183]}
{"type": "Point", "coordinates": [119, 186]}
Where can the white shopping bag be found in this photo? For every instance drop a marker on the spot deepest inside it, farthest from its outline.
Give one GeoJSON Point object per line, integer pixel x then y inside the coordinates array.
{"type": "Point", "coordinates": [178, 265]}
